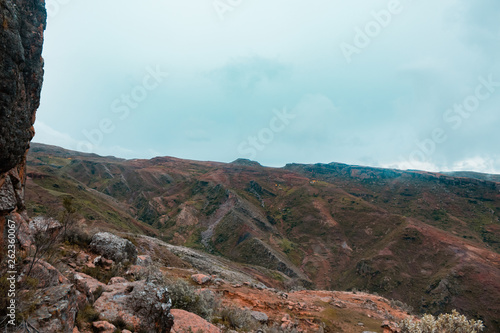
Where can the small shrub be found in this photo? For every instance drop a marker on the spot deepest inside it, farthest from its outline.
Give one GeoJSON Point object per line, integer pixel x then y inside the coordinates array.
{"type": "Point", "coordinates": [101, 274]}
{"type": "Point", "coordinates": [77, 236]}
{"type": "Point", "coordinates": [401, 306]}
{"type": "Point", "coordinates": [186, 297]}
{"type": "Point", "coordinates": [121, 324]}
{"type": "Point", "coordinates": [98, 292]}
{"type": "Point", "coordinates": [87, 315]}
{"type": "Point", "coordinates": [235, 318]}
{"type": "Point", "coordinates": [445, 323]}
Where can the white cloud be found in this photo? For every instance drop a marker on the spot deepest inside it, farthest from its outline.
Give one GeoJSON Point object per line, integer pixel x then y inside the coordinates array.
{"type": "Point", "coordinates": [48, 135]}
{"type": "Point", "coordinates": [479, 164]}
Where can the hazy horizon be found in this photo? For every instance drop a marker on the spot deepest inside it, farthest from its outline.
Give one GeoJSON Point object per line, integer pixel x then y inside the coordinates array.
{"type": "Point", "coordinates": [396, 84]}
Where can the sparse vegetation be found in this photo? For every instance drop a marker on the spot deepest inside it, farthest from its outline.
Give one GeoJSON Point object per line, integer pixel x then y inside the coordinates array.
{"type": "Point", "coordinates": [45, 242]}
{"type": "Point", "coordinates": [401, 305]}
{"type": "Point", "coordinates": [68, 215]}
{"type": "Point", "coordinates": [186, 297]}
{"type": "Point", "coordinates": [78, 236]}
{"type": "Point", "coordinates": [235, 318]}
{"type": "Point", "coordinates": [121, 324]}
{"type": "Point", "coordinates": [445, 323]}
{"type": "Point", "coordinates": [98, 292]}
{"type": "Point", "coordinates": [86, 315]}
{"type": "Point", "coordinates": [104, 275]}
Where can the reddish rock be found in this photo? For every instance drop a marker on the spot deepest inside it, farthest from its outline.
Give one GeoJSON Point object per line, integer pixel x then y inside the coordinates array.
{"type": "Point", "coordinates": [46, 274]}
{"type": "Point", "coordinates": [104, 326]}
{"type": "Point", "coordinates": [101, 261]}
{"type": "Point", "coordinates": [117, 279]}
{"type": "Point", "coordinates": [23, 232]}
{"type": "Point", "coordinates": [87, 284]}
{"type": "Point", "coordinates": [136, 271]}
{"type": "Point", "coordinates": [144, 260]}
{"type": "Point", "coordinates": [56, 309]}
{"type": "Point", "coordinates": [201, 278]}
{"type": "Point", "coordinates": [90, 265]}
{"type": "Point", "coordinates": [390, 327]}
{"type": "Point", "coordinates": [82, 258]}
{"type": "Point", "coordinates": [185, 322]}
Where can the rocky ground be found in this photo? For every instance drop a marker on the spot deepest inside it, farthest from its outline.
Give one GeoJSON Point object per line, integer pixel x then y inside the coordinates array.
{"type": "Point", "coordinates": [117, 284]}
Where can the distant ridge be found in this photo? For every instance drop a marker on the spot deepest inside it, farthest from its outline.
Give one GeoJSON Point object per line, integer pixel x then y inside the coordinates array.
{"type": "Point", "coordinates": [62, 152]}
{"type": "Point", "coordinates": [246, 162]}
{"type": "Point", "coordinates": [317, 167]}
{"type": "Point", "coordinates": [474, 175]}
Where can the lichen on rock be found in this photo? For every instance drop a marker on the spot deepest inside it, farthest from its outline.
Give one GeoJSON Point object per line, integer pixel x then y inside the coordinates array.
{"type": "Point", "coordinates": [114, 247]}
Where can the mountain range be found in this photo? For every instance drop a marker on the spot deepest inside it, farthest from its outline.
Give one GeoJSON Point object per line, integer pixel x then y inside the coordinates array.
{"type": "Point", "coordinates": [431, 240]}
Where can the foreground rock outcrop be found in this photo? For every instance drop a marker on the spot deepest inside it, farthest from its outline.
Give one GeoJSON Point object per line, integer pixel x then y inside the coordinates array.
{"type": "Point", "coordinates": [141, 304]}
{"type": "Point", "coordinates": [56, 309]}
{"type": "Point", "coordinates": [22, 23]}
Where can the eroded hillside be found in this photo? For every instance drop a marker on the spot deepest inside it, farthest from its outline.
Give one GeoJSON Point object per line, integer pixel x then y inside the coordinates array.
{"type": "Point", "coordinates": [430, 240]}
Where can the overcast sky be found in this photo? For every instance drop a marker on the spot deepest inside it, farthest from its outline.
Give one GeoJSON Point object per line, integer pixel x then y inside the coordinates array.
{"type": "Point", "coordinates": [406, 84]}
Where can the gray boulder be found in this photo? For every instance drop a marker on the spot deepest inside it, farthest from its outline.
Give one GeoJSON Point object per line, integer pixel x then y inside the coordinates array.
{"type": "Point", "coordinates": [260, 317]}
{"type": "Point", "coordinates": [113, 247]}
{"type": "Point", "coordinates": [141, 304]}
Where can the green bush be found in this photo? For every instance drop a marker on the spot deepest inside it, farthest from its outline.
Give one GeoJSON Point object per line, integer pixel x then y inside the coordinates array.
{"type": "Point", "coordinates": [445, 323]}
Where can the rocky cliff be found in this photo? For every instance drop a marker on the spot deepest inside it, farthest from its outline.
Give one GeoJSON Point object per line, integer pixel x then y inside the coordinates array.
{"type": "Point", "coordinates": [22, 23]}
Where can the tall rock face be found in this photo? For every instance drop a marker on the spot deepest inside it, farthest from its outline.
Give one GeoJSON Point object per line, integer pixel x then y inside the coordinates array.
{"type": "Point", "coordinates": [22, 23]}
